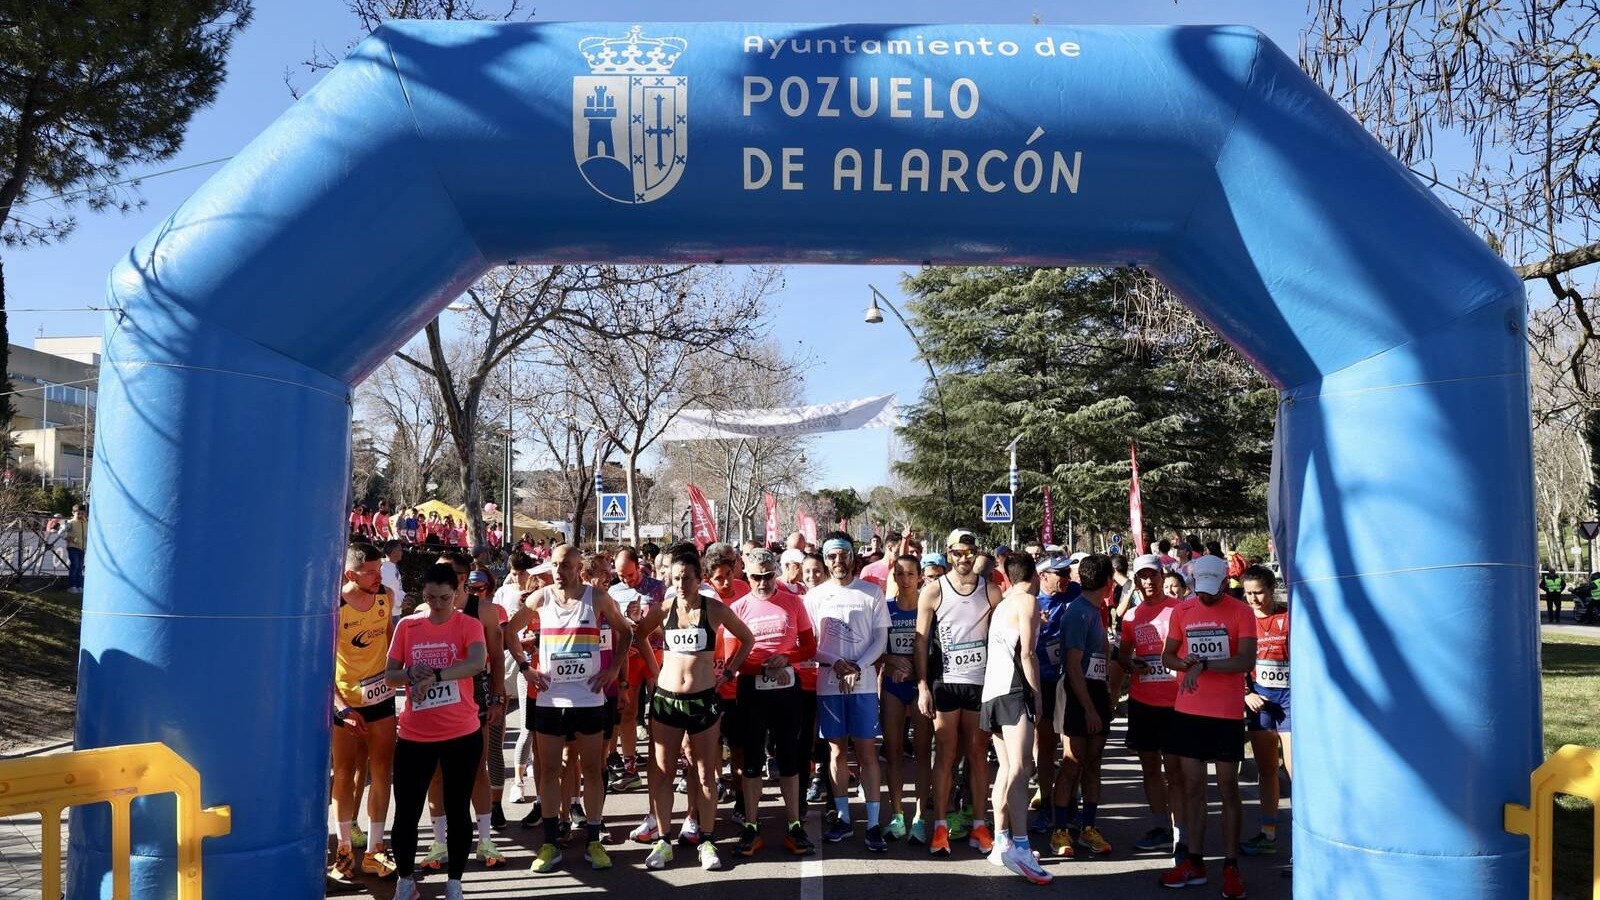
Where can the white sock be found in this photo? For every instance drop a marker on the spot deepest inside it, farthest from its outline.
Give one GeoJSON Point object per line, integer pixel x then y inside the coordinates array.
{"type": "Point", "coordinates": [438, 829]}
{"type": "Point", "coordinates": [344, 833]}
{"type": "Point", "coordinates": [375, 837]}
{"type": "Point", "coordinates": [483, 828]}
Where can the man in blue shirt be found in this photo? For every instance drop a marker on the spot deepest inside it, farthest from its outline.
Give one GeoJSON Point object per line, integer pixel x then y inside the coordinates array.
{"type": "Point", "coordinates": [1084, 709]}
{"type": "Point", "coordinates": [1056, 590]}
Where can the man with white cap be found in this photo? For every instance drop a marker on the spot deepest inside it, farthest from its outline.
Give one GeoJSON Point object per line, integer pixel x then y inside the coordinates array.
{"type": "Point", "coordinates": [791, 561]}
{"type": "Point", "coordinates": [1212, 641]}
{"type": "Point", "coordinates": [1151, 693]}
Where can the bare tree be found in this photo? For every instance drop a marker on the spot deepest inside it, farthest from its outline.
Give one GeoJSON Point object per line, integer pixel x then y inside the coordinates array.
{"type": "Point", "coordinates": [1516, 84]}
{"type": "Point", "coordinates": [693, 323]}
{"type": "Point", "coordinates": [402, 407]}
{"type": "Point", "coordinates": [576, 447]}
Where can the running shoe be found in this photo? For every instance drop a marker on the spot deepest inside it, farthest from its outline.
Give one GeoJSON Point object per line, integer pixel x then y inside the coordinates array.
{"type": "Point", "coordinates": [1041, 823]}
{"type": "Point", "coordinates": [1093, 841]}
{"type": "Point", "coordinates": [817, 792]}
{"type": "Point", "coordinates": [453, 890]}
{"type": "Point", "coordinates": [981, 839]}
{"type": "Point", "coordinates": [1232, 883]}
{"type": "Point", "coordinates": [839, 832]}
{"type": "Point", "coordinates": [378, 862]}
{"type": "Point", "coordinates": [497, 816]}
{"type": "Point", "coordinates": [997, 853]}
{"type": "Point", "coordinates": [547, 859]}
{"type": "Point", "coordinates": [597, 856]}
{"type": "Point", "coordinates": [438, 855]}
{"type": "Point", "coordinates": [358, 838]}
{"type": "Point", "coordinates": [875, 841]}
{"type": "Point", "coordinates": [1037, 803]}
{"type": "Point", "coordinates": [939, 844]}
{"type": "Point", "coordinates": [534, 816]}
{"type": "Point", "coordinates": [579, 819]}
{"type": "Point", "coordinates": [689, 837]}
{"type": "Point", "coordinates": [1184, 874]}
{"type": "Point", "coordinates": [960, 824]}
{"type": "Point", "coordinates": [749, 842]}
{"type": "Point", "coordinates": [918, 833]}
{"type": "Point", "coordinates": [344, 863]}
{"type": "Point", "coordinates": [798, 842]}
{"type": "Point", "coordinates": [627, 780]}
{"type": "Point", "coordinates": [680, 785]}
{"type": "Point", "coordinates": [709, 860]}
{"type": "Point", "coordinates": [737, 818]}
{"type": "Point", "coordinates": [522, 794]}
{"type": "Point", "coordinates": [660, 855]}
{"type": "Point", "coordinates": [896, 829]}
{"type": "Point", "coordinates": [406, 889]}
{"type": "Point", "coordinates": [1260, 845]}
{"type": "Point", "coordinates": [1061, 843]}
{"type": "Point", "coordinates": [1024, 863]}
{"type": "Point", "coordinates": [563, 832]}
{"type": "Point", "coordinates": [646, 832]}
{"type": "Point", "coordinates": [726, 793]}
{"type": "Point", "coordinates": [489, 856]}
{"type": "Point", "coordinates": [1155, 839]}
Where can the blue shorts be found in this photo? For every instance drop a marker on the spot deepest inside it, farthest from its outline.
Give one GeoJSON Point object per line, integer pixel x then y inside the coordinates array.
{"type": "Point", "coordinates": [904, 691]}
{"type": "Point", "coordinates": [1264, 720]}
{"type": "Point", "coordinates": [842, 716]}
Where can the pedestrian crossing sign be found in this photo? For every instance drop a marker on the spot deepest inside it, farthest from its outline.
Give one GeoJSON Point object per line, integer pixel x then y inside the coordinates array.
{"type": "Point", "coordinates": [614, 508]}
{"type": "Point", "coordinates": [997, 508]}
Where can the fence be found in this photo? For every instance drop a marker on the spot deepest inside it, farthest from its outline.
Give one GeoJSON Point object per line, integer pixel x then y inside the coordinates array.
{"type": "Point", "coordinates": [1570, 770]}
{"type": "Point", "coordinates": [47, 785]}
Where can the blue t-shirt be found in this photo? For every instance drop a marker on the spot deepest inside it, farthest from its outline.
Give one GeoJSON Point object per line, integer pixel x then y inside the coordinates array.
{"type": "Point", "coordinates": [1052, 608]}
{"type": "Point", "coordinates": [1083, 629]}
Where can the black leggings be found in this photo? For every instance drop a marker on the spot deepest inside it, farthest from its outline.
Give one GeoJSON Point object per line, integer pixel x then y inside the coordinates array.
{"type": "Point", "coordinates": [414, 764]}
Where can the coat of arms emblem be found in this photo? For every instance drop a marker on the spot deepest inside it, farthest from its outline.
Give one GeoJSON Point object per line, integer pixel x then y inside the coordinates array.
{"type": "Point", "coordinates": [630, 116]}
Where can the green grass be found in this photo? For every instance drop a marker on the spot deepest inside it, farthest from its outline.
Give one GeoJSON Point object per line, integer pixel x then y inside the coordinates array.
{"type": "Point", "coordinates": [1571, 686]}
{"type": "Point", "coordinates": [39, 641]}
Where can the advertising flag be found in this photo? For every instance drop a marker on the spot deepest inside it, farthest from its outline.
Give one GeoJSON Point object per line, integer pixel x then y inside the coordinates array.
{"type": "Point", "coordinates": [703, 520]}
{"type": "Point", "coordinates": [808, 527]}
{"type": "Point", "coordinates": [772, 518]}
{"type": "Point", "coordinates": [1135, 502]}
{"type": "Point", "coordinates": [1047, 528]}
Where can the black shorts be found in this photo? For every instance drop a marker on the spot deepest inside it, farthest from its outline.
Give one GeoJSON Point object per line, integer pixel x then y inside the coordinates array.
{"type": "Point", "coordinates": [1004, 710]}
{"type": "Point", "coordinates": [773, 713]}
{"type": "Point", "coordinates": [1207, 739]}
{"type": "Point", "coordinates": [953, 697]}
{"type": "Point", "coordinates": [693, 713]}
{"type": "Point", "coordinates": [612, 717]}
{"type": "Point", "coordinates": [569, 721]}
{"type": "Point", "coordinates": [1149, 728]}
{"type": "Point", "coordinates": [377, 712]}
{"type": "Point", "coordinates": [1072, 718]}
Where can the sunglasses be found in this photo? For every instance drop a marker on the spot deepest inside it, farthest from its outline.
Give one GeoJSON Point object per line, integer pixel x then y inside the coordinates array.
{"type": "Point", "coordinates": [960, 554]}
{"type": "Point", "coordinates": [761, 576]}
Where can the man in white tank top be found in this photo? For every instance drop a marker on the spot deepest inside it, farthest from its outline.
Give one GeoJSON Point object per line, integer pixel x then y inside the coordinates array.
{"type": "Point", "coordinates": [952, 642]}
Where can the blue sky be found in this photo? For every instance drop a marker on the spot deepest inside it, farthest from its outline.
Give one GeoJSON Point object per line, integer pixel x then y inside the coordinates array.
{"type": "Point", "coordinates": [851, 359]}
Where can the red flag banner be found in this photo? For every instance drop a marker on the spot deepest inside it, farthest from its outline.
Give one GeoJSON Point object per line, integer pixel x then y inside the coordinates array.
{"type": "Point", "coordinates": [702, 519]}
{"type": "Point", "coordinates": [772, 519]}
{"type": "Point", "coordinates": [1135, 502]}
{"type": "Point", "coordinates": [808, 527]}
{"type": "Point", "coordinates": [1047, 528]}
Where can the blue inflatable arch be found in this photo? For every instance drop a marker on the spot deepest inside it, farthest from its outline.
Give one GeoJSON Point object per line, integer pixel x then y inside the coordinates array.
{"type": "Point", "coordinates": [1402, 478]}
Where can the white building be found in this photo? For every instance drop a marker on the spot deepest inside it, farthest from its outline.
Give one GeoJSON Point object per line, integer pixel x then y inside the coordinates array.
{"type": "Point", "coordinates": [53, 386]}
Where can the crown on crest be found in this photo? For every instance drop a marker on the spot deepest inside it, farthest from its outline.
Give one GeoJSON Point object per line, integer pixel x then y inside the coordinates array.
{"type": "Point", "coordinates": [634, 54]}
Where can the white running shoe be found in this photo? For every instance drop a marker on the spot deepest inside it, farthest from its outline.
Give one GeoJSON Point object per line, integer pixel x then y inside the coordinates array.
{"type": "Point", "coordinates": [647, 832]}
{"type": "Point", "coordinates": [406, 889]}
{"type": "Point", "coordinates": [660, 855]}
{"type": "Point", "coordinates": [1024, 863]}
{"type": "Point", "coordinates": [709, 860]}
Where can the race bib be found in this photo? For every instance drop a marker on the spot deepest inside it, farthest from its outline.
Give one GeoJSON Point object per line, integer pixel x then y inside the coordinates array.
{"type": "Point", "coordinates": [1208, 643]}
{"type": "Point", "coordinates": [605, 636]}
{"type": "Point", "coordinates": [966, 659]}
{"type": "Point", "coordinates": [1052, 652]}
{"type": "Point", "coordinates": [687, 640]}
{"type": "Point", "coordinates": [767, 680]}
{"type": "Point", "coordinates": [903, 642]}
{"type": "Point", "coordinates": [1156, 671]}
{"type": "Point", "coordinates": [375, 690]}
{"type": "Point", "coordinates": [1272, 673]}
{"type": "Point", "coordinates": [442, 694]}
{"type": "Point", "coordinates": [1097, 667]}
{"type": "Point", "coordinates": [569, 668]}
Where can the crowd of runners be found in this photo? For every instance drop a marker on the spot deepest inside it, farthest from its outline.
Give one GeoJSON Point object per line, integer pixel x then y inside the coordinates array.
{"type": "Point", "coordinates": [917, 695]}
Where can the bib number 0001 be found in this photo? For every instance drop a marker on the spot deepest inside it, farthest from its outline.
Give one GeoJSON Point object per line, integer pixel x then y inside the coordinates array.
{"type": "Point", "coordinates": [1208, 643]}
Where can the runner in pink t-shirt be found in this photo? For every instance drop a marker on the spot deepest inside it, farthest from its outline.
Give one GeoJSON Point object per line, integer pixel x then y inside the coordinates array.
{"type": "Point", "coordinates": [1152, 692]}
{"type": "Point", "coordinates": [435, 653]}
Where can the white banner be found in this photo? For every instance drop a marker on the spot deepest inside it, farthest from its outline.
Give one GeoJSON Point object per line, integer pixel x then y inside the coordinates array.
{"type": "Point", "coordinates": [787, 421]}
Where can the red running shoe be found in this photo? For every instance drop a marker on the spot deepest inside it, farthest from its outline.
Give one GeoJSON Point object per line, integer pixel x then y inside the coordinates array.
{"type": "Point", "coordinates": [1232, 883]}
{"type": "Point", "coordinates": [1184, 874]}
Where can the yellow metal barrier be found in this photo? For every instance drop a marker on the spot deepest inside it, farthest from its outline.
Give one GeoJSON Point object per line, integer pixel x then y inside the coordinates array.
{"type": "Point", "coordinates": [115, 775]}
{"type": "Point", "coordinates": [1571, 770]}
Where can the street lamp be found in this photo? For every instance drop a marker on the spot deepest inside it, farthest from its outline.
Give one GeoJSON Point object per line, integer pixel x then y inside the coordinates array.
{"type": "Point", "coordinates": [875, 316]}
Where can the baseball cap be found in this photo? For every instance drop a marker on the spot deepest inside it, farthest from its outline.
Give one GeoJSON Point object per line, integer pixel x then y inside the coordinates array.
{"type": "Point", "coordinates": [935, 559]}
{"type": "Point", "coordinates": [1056, 564]}
{"type": "Point", "coordinates": [1147, 561]}
{"type": "Point", "coordinates": [1002, 550]}
{"type": "Point", "coordinates": [961, 536]}
{"type": "Point", "coordinates": [792, 556]}
{"type": "Point", "coordinates": [478, 578]}
{"type": "Point", "coordinates": [1080, 556]}
{"type": "Point", "coordinates": [1054, 549]}
{"type": "Point", "coordinates": [1209, 574]}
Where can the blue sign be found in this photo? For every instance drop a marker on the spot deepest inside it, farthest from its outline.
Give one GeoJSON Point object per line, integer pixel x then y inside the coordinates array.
{"type": "Point", "coordinates": [997, 508]}
{"type": "Point", "coordinates": [613, 508]}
